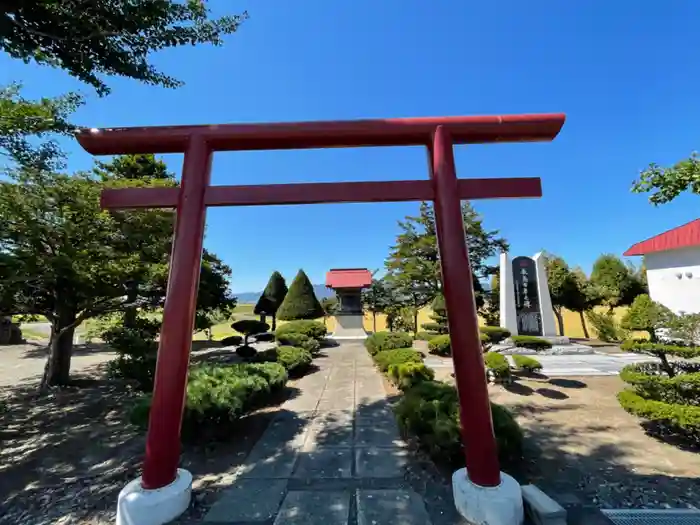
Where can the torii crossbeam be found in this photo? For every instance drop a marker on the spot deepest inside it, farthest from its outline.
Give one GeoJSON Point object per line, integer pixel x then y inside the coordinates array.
{"type": "Point", "coordinates": [195, 194]}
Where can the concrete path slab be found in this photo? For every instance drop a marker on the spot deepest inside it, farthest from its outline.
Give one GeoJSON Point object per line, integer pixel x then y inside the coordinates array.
{"type": "Point", "coordinates": [327, 446]}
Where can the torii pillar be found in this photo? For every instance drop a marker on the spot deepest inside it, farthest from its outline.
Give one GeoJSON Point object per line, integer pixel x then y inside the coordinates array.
{"type": "Point", "coordinates": [482, 493]}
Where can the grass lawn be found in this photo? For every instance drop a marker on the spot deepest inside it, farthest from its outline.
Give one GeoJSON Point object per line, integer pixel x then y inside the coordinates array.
{"type": "Point", "coordinates": [218, 332]}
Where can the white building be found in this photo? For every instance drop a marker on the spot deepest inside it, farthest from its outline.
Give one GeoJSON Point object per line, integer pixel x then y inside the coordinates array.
{"type": "Point", "coordinates": [672, 260]}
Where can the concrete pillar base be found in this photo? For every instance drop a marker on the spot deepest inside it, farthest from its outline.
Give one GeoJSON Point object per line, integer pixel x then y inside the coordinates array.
{"type": "Point", "coordinates": [138, 506]}
{"type": "Point", "coordinates": [501, 505]}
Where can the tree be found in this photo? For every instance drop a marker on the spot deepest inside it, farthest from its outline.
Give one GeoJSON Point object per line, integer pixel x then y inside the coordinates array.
{"type": "Point", "coordinates": [376, 299]}
{"type": "Point", "coordinates": [330, 306]}
{"type": "Point", "coordinates": [271, 298]}
{"type": "Point", "coordinates": [665, 184]}
{"type": "Point", "coordinates": [647, 315]}
{"type": "Point", "coordinates": [214, 298]}
{"type": "Point", "coordinates": [22, 121]}
{"type": "Point", "coordinates": [616, 283]}
{"type": "Point", "coordinates": [301, 301]}
{"type": "Point", "coordinates": [65, 258]}
{"type": "Point", "coordinates": [90, 39]}
{"type": "Point", "coordinates": [249, 327]}
{"type": "Point", "coordinates": [439, 316]}
{"type": "Point", "coordinates": [563, 287]}
{"type": "Point", "coordinates": [414, 266]}
{"type": "Point", "coordinates": [491, 309]}
{"type": "Point", "coordinates": [585, 299]}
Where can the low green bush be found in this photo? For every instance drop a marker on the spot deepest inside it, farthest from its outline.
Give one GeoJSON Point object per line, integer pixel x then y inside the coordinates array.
{"type": "Point", "coordinates": [137, 350]}
{"type": "Point", "coordinates": [265, 337]}
{"type": "Point", "coordinates": [606, 326]}
{"type": "Point", "coordinates": [440, 345]}
{"type": "Point", "coordinates": [295, 360]}
{"type": "Point", "coordinates": [675, 419]}
{"type": "Point", "coordinates": [425, 336]}
{"type": "Point", "coordinates": [497, 364]}
{"type": "Point", "coordinates": [313, 329]}
{"type": "Point", "coordinates": [218, 395]}
{"type": "Point", "coordinates": [662, 352]}
{"type": "Point", "coordinates": [386, 358]}
{"type": "Point", "coordinates": [496, 334]}
{"type": "Point", "coordinates": [408, 375]}
{"type": "Point", "coordinates": [430, 412]}
{"type": "Point", "coordinates": [299, 340]}
{"type": "Point", "coordinates": [380, 341]}
{"type": "Point", "coordinates": [527, 363]}
{"type": "Point", "coordinates": [530, 341]}
{"type": "Point", "coordinates": [486, 343]}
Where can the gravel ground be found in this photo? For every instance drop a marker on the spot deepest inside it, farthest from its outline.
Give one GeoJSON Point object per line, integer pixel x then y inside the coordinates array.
{"type": "Point", "coordinates": [580, 441]}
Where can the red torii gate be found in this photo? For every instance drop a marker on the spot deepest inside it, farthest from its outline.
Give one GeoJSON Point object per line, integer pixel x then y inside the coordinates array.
{"type": "Point", "coordinates": [195, 194]}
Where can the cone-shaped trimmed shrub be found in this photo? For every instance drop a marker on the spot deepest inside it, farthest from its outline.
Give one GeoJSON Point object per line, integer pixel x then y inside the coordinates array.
{"type": "Point", "coordinates": [272, 297]}
{"type": "Point", "coordinates": [301, 301]}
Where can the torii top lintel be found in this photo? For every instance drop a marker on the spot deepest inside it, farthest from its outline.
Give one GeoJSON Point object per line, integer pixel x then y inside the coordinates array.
{"type": "Point", "coordinates": [304, 135]}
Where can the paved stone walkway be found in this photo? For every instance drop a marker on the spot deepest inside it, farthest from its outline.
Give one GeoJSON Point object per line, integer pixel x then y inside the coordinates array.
{"type": "Point", "coordinates": [332, 456]}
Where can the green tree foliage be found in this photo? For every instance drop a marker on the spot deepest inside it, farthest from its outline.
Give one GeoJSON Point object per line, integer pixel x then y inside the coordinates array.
{"type": "Point", "coordinates": [439, 316]}
{"type": "Point", "coordinates": [272, 297]}
{"type": "Point", "coordinates": [66, 259]}
{"type": "Point", "coordinates": [414, 266]}
{"type": "Point", "coordinates": [110, 37]}
{"type": "Point", "coordinates": [585, 299]}
{"type": "Point", "coordinates": [647, 315]}
{"type": "Point", "coordinates": [249, 327]}
{"type": "Point", "coordinates": [330, 306]}
{"type": "Point", "coordinates": [377, 298]}
{"type": "Point", "coordinates": [665, 184]}
{"type": "Point", "coordinates": [617, 283]}
{"type": "Point", "coordinates": [63, 257]}
{"type": "Point", "coordinates": [22, 121]}
{"type": "Point", "coordinates": [301, 301]}
{"type": "Point", "coordinates": [563, 287]}
{"type": "Point", "coordinates": [491, 310]}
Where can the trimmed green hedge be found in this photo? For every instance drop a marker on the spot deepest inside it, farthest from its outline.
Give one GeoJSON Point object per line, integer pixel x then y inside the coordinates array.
{"type": "Point", "coordinates": [497, 364]}
{"type": "Point", "coordinates": [530, 341]}
{"type": "Point", "coordinates": [313, 329]}
{"type": "Point", "coordinates": [388, 341]}
{"type": "Point", "coordinates": [408, 375]}
{"type": "Point", "coordinates": [440, 345]}
{"type": "Point", "coordinates": [656, 349]}
{"type": "Point", "coordinates": [527, 363]}
{"type": "Point", "coordinates": [682, 389]}
{"type": "Point", "coordinates": [430, 412]}
{"type": "Point", "coordinates": [296, 361]}
{"type": "Point", "coordinates": [496, 334]}
{"type": "Point", "coordinates": [299, 340]}
{"type": "Point", "coordinates": [386, 358]}
{"type": "Point", "coordinates": [674, 418]}
{"type": "Point", "coordinates": [425, 336]}
{"type": "Point", "coordinates": [218, 395]}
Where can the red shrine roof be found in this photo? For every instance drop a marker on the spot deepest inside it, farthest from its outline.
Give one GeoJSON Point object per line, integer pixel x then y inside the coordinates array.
{"type": "Point", "coordinates": [348, 278]}
{"type": "Point", "coordinates": [681, 237]}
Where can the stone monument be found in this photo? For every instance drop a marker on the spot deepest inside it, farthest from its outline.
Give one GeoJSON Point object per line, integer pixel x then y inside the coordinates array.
{"type": "Point", "coordinates": [526, 306]}
{"type": "Point", "coordinates": [348, 283]}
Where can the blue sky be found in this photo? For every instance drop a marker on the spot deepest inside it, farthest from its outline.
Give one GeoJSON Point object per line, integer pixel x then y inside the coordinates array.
{"type": "Point", "coordinates": [624, 72]}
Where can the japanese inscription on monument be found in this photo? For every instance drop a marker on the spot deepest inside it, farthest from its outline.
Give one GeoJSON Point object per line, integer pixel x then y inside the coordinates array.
{"type": "Point", "coordinates": [527, 303]}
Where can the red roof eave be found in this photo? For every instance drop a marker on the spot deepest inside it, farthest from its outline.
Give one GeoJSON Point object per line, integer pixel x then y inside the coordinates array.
{"type": "Point", "coordinates": [349, 278]}
{"type": "Point", "coordinates": [683, 236]}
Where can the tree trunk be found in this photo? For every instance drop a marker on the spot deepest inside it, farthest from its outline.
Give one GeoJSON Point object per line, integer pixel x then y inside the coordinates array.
{"type": "Point", "coordinates": [274, 322]}
{"type": "Point", "coordinates": [374, 322]}
{"type": "Point", "coordinates": [57, 370]}
{"type": "Point", "coordinates": [583, 325]}
{"type": "Point", "coordinates": [415, 323]}
{"type": "Point", "coordinates": [560, 320]}
{"type": "Point", "coordinates": [263, 318]}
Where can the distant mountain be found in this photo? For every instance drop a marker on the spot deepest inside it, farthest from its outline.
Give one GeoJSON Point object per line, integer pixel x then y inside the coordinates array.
{"type": "Point", "coordinates": [252, 297]}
